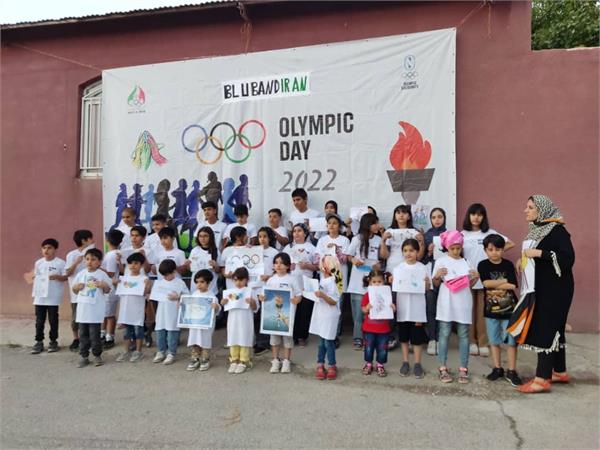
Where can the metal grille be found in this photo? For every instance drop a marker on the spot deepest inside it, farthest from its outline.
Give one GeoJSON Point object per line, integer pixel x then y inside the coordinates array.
{"type": "Point", "coordinates": [90, 161]}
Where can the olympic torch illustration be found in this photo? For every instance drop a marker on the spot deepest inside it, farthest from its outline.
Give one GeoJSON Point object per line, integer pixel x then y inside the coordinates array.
{"type": "Point", "coordinates": [410, 156]}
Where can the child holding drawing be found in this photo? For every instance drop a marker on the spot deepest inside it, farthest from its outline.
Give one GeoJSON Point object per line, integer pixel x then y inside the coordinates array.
{"type": "Point", "coordinates": [326, 313]}
{"type": "Point", "coordinates": [376, 332]}
{"type": "Point", "coordinates": [410, 305]}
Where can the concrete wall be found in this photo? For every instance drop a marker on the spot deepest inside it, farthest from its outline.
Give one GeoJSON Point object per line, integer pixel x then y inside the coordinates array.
{"type": "Point", "coordinates": [527, 122]}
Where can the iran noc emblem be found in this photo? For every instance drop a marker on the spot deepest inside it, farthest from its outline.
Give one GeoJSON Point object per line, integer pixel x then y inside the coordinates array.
{"type": "Point", "coordinates": [137, 97]}
{"type": "Point", "coordinates": [409, 157]}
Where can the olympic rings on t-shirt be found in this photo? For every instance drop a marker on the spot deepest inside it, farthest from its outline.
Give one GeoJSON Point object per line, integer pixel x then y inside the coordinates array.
{"type": "Point", "coordinates": [222, 146]}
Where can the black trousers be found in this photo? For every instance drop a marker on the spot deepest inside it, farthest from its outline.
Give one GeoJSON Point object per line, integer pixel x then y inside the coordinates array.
{"type": "Point", "coordinates": [260, 339]}
{"type": "Point", "coordinates": [89, 337]}
{"type": "Point", "coordinates": [41, 311]}
{"type": "Point", "coordinates": [302, 319]}
{"type": "Point", "coordinates": [557, 361]}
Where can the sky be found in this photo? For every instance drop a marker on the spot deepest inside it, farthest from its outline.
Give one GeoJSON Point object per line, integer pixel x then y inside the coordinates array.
{"type": "Point", "coordinates": [14, 11]}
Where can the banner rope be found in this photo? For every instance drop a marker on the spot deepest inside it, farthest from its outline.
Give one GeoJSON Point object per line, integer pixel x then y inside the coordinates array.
{"type": "Point", "coordinates": [487, 3]}
{"type": "Point", "coordinates": [246, 28]}
{"type": "Point", "coordinates": [55, 56]}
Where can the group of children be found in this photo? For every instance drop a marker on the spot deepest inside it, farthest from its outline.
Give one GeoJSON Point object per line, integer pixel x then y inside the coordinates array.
{"type": "Point", "coordinates": [469, 287]}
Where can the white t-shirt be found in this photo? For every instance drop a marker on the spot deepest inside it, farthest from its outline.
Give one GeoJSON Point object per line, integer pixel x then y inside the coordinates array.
{"type": "Point", "coordinates": [199, 254]}
{"type": "Point", "coordinates": [473, 248]}
{"type": "Point", "coordinates": [250, 228]}
{"type": "Point", "coordinates": [152, 242]}
{"type": "Point", "coordinates": [226, 254]}
{"type": "Point", "coordinates": [166, 312]}
{"type": "Point", "coordinates": [268, 256]}
{"type": "Point", "coordinates": [324, 320]}
{"type": "Point", "coordinates": [355, 285]}
{"type": "Point", "coordinates": [453, 306]}
{"type": "Point", "coordinates": [91, 300]}
{"type": "Point", "coordinates": [201, 337]}
{"type": "Point", "coordinates": [282, 231]}
{"type": "Point", "coordinates": [126, 230]}
{"type": "Point", "coordinates": [69, 261]}
{"type": "Point", "coordinates": [218, 228]}
{"type": "Point", "coordinates": [297, 217]}
{"type": "Point", "coordinates": [301, 253]}
{"type": "Point", "coordinates": [322, 250]}
{"type": "Point", "coordinates": [174, 254]}
{"type": "Point", "coordinates": [56, 288]}
{"type": "Point", "coordinates": [126, 253]}
{"type": "Point", "coordinates": [399, 235]}
{"type": "Point", "coordinates": [410, 307]}
{"type": "Point", "coordinates": [132, 307]}
{"type": "Point", "coordinates": [240, 324]}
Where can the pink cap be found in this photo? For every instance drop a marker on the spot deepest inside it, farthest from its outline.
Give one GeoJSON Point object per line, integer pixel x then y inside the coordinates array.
{"type": "Point", "coordinates": [451, 237]}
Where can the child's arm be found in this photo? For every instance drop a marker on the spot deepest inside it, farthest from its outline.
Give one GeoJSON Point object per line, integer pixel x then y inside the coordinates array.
{"type": "Point", "coordinates": [71, 270]}
{"type": "Point", "coordinates": [494, 284]}
{"type": "Point", "coordinates": [297, 299]}
{"type": "Point", "coordinates": [77, 288]}
{"type": "Point", "coordinates": [437, 278]}
{"type": "Point", "coordinates": [252, 303]}
{"type": "Point", "coordinates": [384, 251]}
{"type": "Point", "coordinates": [365, 309]}
{"type": "Point", "coordinates": [174, 296]}
{"type": "Point", "coordinates": [474, 276]}
{"type": "Point", "coordinates": [57, 277]}
{"type": "Point", "coordinates": [147, 286]}
{"type": "Point", "coordinates": [507, 286]}
{"type": "Point", "coordinates": [421, 240]}
{"type": "Point", "coordinates": [326, 298]}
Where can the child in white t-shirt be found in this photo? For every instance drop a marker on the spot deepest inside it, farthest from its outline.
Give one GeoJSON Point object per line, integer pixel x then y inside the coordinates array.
{"type": "Point", "coordinates": [91, 286]}
{"type": "Point", "coordinates": [266, 239]}
{"type": "Point", "coordinates": [152, 242]}
{"type": "Point", "coordinates": [239, 237]}
{"type": "Point", "coordinates": [128, 219]}
{"type": "Point", "coordinates": [84, 240]}
{"type": "Point", "coordinates": [131, 309]}
{"type": "Point", "coordinates": [167, 250]}
{"type": "Point", "coordinates": [111, 265]}
{"type": "Point", "coordinates": [241, 214]}
{"type": "Point", "coordinates": [279, 231]}
{"type": "Point", "coordinates": [48, 277]}
{"type": "Point", "coordinates": [282, 279]}
{"type": "Point", "coordinates": [167, 331]}
{"type": "Point", "coordinates": [201, 339]}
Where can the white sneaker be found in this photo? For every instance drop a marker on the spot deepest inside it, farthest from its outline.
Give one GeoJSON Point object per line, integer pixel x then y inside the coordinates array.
{"type": "Point", "coordinates": [170, 359]}
{"type": "Point", "coordinates": [275, 366]}
{"type": "Point", "coordinates": [232, 368]}
{"type": "Point", "coordinates": [241, 368]}
{"type": "Point", "coordinates": [286, 366]}
{"type": "Point", "coordinates": [432, 348]}
{"type": "Point", "coordinates": [484, 351]}
{"type": "Point", "coordinates": [123, 357]}
{"type": "Point", "coordinates": [159, 357]}
{"type": "Point", "coordinates": [473, 350]}
{"type": "Point", "coordinates": [136, 356]}
{"type": "Point", "coordinates": [204, 365]}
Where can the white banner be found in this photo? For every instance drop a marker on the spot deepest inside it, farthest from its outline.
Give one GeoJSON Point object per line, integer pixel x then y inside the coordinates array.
{"type": "Point", "coordinates": [367, 122]}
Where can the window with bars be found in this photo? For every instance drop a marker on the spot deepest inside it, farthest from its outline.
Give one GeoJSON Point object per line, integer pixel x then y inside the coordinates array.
{"type": "Point", "coordinates": [90, 160]}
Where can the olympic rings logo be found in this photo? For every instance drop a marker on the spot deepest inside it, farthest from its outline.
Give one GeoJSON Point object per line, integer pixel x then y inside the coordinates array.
{"type": "Point", "coordinates": [249, 261]}
{"type": "Point", "coordinates": [223, 145]}
{"type": "Point", "coordinates": [410, 75]}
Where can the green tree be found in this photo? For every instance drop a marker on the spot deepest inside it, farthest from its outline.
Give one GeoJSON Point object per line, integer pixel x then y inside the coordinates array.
{"type": "Point", "coordinates": [564, 24]}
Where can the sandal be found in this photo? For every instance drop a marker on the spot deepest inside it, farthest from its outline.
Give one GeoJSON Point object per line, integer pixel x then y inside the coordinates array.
{"type": "Point", "coordinates": [445, 375]}
{"type": "Point", "coordinates": [558, 378]}
{"type": "Point", "coordinates": [381, 370]}
{"type": "Point", "coordinates": [367, 369]}
{"type": "Point", "coordinates": [463, 375]}
{"type": "Point", "coordinates": [543, 386]}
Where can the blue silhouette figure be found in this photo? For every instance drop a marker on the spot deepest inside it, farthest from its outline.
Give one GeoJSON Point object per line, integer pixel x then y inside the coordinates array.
{"type": "Point", "coordinates": [148, 200]}
{"type": "Point", "coordinates": [191, 219]}
{"type": "Point", "coordinates": [161, 198]}
{"type": "Point", "coordinates": [228, 216]}
{"type": "Point", "coordinates": [240, 195]}
{"type": "Point", "coordinates": [179, 195]}
{"type": "Point", "coordinates": [212, 190]}
{"type": "Point", "coordinates": [121, 204]}
{"type": "Point", "coordinates": [135, 201]}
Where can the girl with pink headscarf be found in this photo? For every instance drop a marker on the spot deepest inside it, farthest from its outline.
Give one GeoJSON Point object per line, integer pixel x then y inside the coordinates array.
{"type": "Point", "coordinates": [454, 275]}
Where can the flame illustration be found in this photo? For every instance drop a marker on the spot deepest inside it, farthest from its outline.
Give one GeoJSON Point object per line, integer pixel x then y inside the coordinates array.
{"type": "Point", "coordinates": [410, 151]}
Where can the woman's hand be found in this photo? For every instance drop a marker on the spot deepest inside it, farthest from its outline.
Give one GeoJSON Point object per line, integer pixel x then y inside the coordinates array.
{"type": "Point", "coordinates": [442, 272]}
{"type": "Point", "coordinates": [532, 253]}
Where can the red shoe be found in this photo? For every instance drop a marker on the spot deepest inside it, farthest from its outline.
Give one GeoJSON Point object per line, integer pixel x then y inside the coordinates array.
{"type": "Point", "coordinates": [527, 388]}
{"type": "Point", "coordinates": [557, 378]}
{"type": "Point", "coordinates": [332, 373]}
{"type": "Point", "coordinates": [320, 374]}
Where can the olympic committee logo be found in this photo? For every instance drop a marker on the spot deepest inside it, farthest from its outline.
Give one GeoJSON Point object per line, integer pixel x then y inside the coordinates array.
{"type": "Point", "coordinates": [410, 73]}
{"type": "Point", "coordinates": [136, 100]}
{"type": "Point", "coordinates": [224, 139]}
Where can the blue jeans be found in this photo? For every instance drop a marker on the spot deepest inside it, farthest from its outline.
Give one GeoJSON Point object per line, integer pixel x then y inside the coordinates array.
{"type": "Point", "coordinates": [496, 330]}
{"type": "Point", "coordinates": [326, 347]}
{"type": "Point", "coordinates": [357, 315]}
{"type": "Point", "coordinates": [379, 342]}
{"type": "Point", "coordinates": [134, 332]}
{"type": "Point", "coordinates": [167, 340]}
{"type": "Point", "coordinates": [463, 342]}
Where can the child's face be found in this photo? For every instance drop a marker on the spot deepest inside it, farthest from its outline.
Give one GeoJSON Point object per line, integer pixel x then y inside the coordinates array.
{"type": "Point", "coordinates": [299, 203]}
{"type": "Point", "coordinates": [48, 252]}
{"type": "Point", "coordinates": [374, 228]}
{"type": "Point", "coordinates": [263, 239]}
{"type": "Point", "coordinates": [476, 220]}
{"type": "Point", "coordinates": [402, 218]}
{"type": "Point", "coordinates": [494, 253]}
{"type": "Point", "coordinates": [330, 209]}
{"type": "Point", "coordinates": [274, 220]}
{"type": "Point", "coordinates": [167, 242]}
{"type": "Point", "coordinates": [376, 281]}
{"type": "Point", "coordinates": [157, 225]}
{"type": "Point", "coordinates": [87, 242]}
{"type": "Point", "coordinates": [242, 219]}
{"type": "Point", "coordinates": [128, 218]}
{"type": "Point", "coordinates": [279, 267]}
{"type": "Point", "coordinates": [241, 240]}
{"type": "Point", "coordinates": [409, 253]}
{"type": "Point", "coordinates": [437, 219]}
{"type": "Point", "coordinates": [170, 276]}
{"type": "Point", "coordinates": [135, 267]}
{"type": "Point", "coordinates": [240, 283]}
{"type": "Point", "coordinates": [92, 263]}
{"type": "Point", "coordinates": [333, 226]}
{"type": "Point", "coordinates": [137, 239]}
{"type": "Point", "coordinates": [201, 285]}
{"type": "Point", "coordinates": [210, 213]}
{"type": "Point", "coordinates": [298, 235]}
{"type": "Point", "coordinates": [454, 251]}
{"type": "Point", "coordinates": [203, 238]}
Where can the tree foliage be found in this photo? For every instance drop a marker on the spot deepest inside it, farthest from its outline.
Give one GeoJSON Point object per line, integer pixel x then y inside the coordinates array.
{"type": "Point", "coordinates": [565, 24]}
